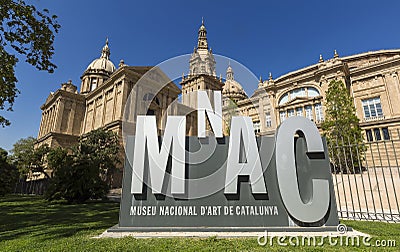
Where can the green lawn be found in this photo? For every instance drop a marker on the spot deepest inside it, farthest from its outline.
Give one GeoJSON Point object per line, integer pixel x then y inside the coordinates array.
{"type": "Point", "coordinates": [29, 223]}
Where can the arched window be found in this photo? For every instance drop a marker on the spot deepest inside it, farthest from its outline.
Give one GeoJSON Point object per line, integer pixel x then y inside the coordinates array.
{"type": "Point", "coordinates": [307, 92]}
{"type": "Point", "coordinates": [312, 92]}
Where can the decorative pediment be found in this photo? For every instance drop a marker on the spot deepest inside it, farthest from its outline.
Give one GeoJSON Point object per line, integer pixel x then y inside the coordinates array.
{"type": "Point", "coordinates": [51, 95]}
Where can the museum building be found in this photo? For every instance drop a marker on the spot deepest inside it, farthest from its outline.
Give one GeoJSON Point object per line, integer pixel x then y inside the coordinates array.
{"type": "Point", "coordinates": [372, 79]}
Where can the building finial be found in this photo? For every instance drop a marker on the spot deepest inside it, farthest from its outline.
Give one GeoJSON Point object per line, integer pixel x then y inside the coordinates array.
{"type": "Point", "coordinates": [335, 54]}
{"type": "Point", "coordinates": [105, 53]}
{"type": "Point", "coordinates": [270, 76]}
{"type": "Point", "coordinates": [121, 63]}
{"type": "Point", "coordinates": [202, 39]}
{"type": "Point", "coordinates": [321, 59]}
{"type": "Point", "coordinates": [260, 82]}
{"type": "Point", "coordinates": [229, 72]}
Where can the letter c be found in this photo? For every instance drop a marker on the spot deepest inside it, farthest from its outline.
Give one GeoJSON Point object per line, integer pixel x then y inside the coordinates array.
{"type": "Point", "coordinates": [317, 207]}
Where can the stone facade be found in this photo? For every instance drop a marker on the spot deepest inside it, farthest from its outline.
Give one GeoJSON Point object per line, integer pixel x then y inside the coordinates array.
{"type": "Point", "coordinates": [372, 79]}
{"type": "Point", "coordinates": [68, 114]}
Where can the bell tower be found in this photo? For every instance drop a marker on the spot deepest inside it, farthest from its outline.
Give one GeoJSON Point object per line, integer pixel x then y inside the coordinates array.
{"type": "Point", "coordinates": [202, 76]}
{"type": "Point", "coordinates": [202, 60]}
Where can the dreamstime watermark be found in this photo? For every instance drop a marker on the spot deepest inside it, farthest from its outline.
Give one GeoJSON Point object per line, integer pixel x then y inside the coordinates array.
{"type": "Point", "coordinates": [339, 238]}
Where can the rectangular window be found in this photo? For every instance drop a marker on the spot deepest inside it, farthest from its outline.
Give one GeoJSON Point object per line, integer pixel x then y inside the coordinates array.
{"type": "Point", "coordinates": [385, 133]}
{"type": "Point", "coordinates": [308, 110]}
{"type": "Point", "coordinates": [372, 107]}
{"type": "Point", "coordinates": [268, 122]}
{"type": "Point", "coordinates": [290, 112]}
{"type": "Point", "coordinates": [318, 113]}
{"type": "Point", "coordinates": [299, 111]}
{"type": "Point", "coordinates": [377, 134]}
{"type": "Point", "coordinates": [256, 126]}
{"type": "Point", "coordinates": [282, 116]}
{"type": "Point", "coordinates": [368, 132]}
{"type": "Point", "coordinates": [94, 84]}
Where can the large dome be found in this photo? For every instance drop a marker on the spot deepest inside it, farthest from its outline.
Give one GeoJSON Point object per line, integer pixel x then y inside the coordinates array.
{"type": "Point", "coordinates": [103, 63]}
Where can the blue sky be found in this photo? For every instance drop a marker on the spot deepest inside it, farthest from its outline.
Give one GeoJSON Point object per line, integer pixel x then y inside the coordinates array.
{"type": "Point", "coordinates": [265, 36]}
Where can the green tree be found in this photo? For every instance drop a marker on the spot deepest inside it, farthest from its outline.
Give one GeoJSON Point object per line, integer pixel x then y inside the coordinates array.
{"type": "Point", "coordinates": [21, 154]}
{"type": "Point", "coordinates": [84, 171]}
{"type": "Point", "coordinates": [39, 160]}
{"type": "Point", "coordinates": [341, 129]}
{"type": "Point", "coordinates": [75, 178]}
{"type": "Point", "coordinates": [30, 33]}
{"type": "Point", "coordinates": [230, 111]}
{"type": "Point", "coordinates": [102, 148]}
{"type": "Point", "coordinates": [28, 159]}
{"type": "Point", "coordinates": [9, 174]}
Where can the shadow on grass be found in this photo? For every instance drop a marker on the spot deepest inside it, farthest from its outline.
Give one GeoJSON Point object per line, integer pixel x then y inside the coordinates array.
{"type": "Point", "coordinates": [35, 217]}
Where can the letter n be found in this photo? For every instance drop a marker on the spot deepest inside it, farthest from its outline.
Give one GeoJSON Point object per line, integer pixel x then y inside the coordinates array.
{"type": "Point", "coordinates": [214, 116]}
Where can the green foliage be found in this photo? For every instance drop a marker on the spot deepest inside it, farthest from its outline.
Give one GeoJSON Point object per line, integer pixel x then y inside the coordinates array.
{"type": "Point", "coordinates": [85, 171]}
{"type": "Point", "coordinates": [28, 159]}
{"type": "Point", "coordinates": [102, 148]}
{"type": "Point", "coordinates": [22, 153]}
{"type": "Point", "coordinates": [38, 159]}
{"type": "Point", "coordinates": [30, 33]}
{"type": "Point", "coordinates": [8, 174]}
{"type": "Point", "coordinates": [75, 178]}
{"type": "Point", "coordinates": [341, 129]}
{"type": "Point", "coordinates": [231, 111]}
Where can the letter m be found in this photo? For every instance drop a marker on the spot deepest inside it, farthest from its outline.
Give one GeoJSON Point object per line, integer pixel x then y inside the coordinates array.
{"type": "Point", "coordinates": [173, 143]}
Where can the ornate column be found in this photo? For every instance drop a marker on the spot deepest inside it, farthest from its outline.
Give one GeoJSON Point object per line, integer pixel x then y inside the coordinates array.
{"type": "Point", "coordinates": [387, 93]}
{"type": "Point", "coordinates": [114, 101]}
{"type": "Point", "coordinates": [261, 113]}
{"type": "Point", "coordinates": [83, 126]}
{"type": "Point", "coordinates": [104, 108]}
{"type": "Point", "coordinates": [52, 118]}
{"type": "Point", "coordinates": [59, 115]}
{"type": "Point", "coordinates": [70, 127]}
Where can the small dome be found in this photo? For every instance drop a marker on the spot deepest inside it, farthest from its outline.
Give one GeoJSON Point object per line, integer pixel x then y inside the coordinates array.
{"type": "Point", "coordinates": [103, 63]}
{"type": "Point", "coordinates": [233, 87]}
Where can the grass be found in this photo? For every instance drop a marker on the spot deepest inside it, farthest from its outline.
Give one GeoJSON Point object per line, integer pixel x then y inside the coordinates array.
{"type": "Point", "coordinates": [29, 223]}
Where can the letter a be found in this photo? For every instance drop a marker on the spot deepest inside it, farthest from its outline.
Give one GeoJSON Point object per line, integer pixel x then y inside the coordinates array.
{"type": "Point", "coordinates": [243, 126]}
